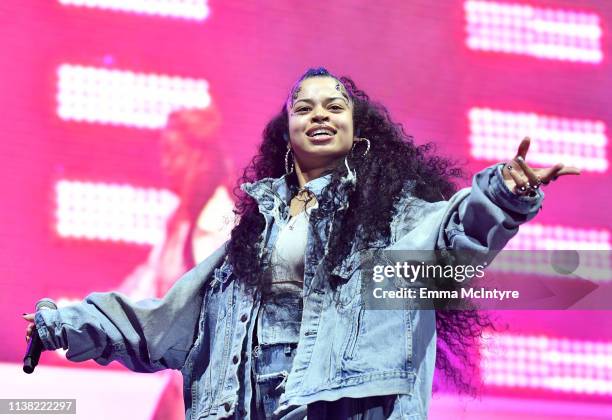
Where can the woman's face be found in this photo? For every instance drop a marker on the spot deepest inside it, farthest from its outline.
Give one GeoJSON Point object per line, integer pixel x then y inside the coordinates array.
{"type": "Point", "coordinates": [320, 122]}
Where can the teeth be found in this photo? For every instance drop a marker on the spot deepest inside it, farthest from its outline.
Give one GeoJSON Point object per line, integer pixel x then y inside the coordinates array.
{"type": "Point", "coordinates": [322, 132]}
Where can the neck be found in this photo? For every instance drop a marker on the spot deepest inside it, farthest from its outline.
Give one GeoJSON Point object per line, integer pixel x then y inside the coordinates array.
{"type": "Point", "coordinates": [306, 175]}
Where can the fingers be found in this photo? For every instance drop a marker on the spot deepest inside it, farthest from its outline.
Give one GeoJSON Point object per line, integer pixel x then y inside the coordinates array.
{"type": "Point", "coordinates": [531, 176]}
{"type": "Point", "coordinates": [519, 180]}
{"type": "Point", "coordinates": [30, 327]}
{"type": "Point", "coordinates": [29, 331]}
{"type": "Point", "coordinates": [551, 174]}
{"type": "Point", "coordinates": [569, 170]}
{"type": "Point", "coordinates": [558, 170]}
{"type": "Point", "coordinates": [523, 148]}
{"type": "Point", "coordinates": [526, 180]}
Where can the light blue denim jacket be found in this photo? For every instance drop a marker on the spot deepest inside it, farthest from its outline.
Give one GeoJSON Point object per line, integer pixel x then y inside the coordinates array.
{"type": "Point", "coordinates": [204, 324]}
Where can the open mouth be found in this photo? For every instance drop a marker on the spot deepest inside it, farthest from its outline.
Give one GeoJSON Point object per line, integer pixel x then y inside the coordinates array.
{"type": "Point", "coordinates": [321, 133]}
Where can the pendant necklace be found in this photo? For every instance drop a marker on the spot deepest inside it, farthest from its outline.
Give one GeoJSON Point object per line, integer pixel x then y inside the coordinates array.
{"type": "Point", "coordinates": [303, 196]}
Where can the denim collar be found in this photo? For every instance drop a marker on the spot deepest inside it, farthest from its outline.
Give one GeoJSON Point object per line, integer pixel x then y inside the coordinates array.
{"type": "Point", "coordinates": [269, 193]}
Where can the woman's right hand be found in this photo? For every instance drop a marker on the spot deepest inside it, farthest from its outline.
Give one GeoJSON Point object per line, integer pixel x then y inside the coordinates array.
{"type": "Point", "coordinates": [30, 327]}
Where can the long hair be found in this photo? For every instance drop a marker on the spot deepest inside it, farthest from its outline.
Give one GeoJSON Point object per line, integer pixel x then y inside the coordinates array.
{"type": "Point", "coordinates": [393, 162]}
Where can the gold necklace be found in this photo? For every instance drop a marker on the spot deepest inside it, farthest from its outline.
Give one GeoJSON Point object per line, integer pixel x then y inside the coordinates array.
{"type": "Point", "coordinates": [303, 196]}
{"type": "Point", "coordinates": [306, 195]}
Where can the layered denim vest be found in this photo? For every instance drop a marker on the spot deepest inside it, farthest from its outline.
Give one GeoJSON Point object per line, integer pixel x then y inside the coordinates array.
{"type": "Point", "coordinates": [204, 325]}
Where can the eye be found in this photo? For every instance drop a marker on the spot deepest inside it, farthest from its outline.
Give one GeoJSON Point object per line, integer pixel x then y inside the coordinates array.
{"type": "Point", "coordinates": [336, 107]}
{"type": "Point", "coordinates": [302, 109]}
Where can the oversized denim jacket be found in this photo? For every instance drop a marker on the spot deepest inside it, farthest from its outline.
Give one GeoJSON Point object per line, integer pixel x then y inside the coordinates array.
{"type": "Point", "coordinates": [203, 325]}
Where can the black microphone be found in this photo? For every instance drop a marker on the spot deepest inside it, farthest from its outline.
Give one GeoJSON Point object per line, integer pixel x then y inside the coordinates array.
{"type": "Point", "coordinates": [35, 345]}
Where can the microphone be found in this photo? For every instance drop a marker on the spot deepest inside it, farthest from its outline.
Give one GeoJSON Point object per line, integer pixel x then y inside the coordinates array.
{"type": "Point", "coordinates": [35, 345]}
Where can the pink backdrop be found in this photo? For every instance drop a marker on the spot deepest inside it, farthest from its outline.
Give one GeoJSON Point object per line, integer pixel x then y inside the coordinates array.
{"type": "Point", "coordinates": [412, 56]}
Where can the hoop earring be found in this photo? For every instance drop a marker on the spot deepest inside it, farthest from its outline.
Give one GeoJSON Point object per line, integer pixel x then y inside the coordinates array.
{"type": "Point", "coordinates": [287, 163]}
{"type": "Point", "coordinates": [346, 165]}
{"type": "Point", "coordinates": [361, 140]}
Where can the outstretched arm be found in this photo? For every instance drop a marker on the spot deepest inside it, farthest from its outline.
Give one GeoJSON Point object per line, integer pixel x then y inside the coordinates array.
{"type": "Point", "coordinates": [145, 336]}
{"type": "Point", "coordinates": [482, 218]}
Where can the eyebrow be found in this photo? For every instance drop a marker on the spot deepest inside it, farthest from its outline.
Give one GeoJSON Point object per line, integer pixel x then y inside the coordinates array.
{"type": "Point", "coordinates": [310, 101]}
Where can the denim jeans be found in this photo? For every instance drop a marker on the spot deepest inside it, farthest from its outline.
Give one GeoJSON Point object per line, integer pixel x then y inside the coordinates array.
{"type": "Point", "coordinates": [272, 364]}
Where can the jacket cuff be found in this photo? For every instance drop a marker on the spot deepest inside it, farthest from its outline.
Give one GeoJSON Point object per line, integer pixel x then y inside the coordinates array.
{"type": "Point", "coordinates": [43, 319]}
{"type": "Point", "coordinates": [508, 200]}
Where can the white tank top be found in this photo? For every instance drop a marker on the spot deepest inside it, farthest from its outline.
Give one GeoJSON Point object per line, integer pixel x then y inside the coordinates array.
{"type": "Point", "coordinates": [287, 259]}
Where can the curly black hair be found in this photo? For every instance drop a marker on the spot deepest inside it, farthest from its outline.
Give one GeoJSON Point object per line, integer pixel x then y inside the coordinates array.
{"type": "Point", "coordinates": [393, 162]}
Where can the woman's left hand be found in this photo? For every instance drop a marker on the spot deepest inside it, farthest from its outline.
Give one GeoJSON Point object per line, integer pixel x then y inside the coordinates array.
{"type": "Point", "coordinates": [524, 180]}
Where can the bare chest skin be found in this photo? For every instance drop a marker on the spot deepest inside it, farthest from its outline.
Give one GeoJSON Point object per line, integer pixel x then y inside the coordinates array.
{"type": "Point", "coordinates": [301, 201]}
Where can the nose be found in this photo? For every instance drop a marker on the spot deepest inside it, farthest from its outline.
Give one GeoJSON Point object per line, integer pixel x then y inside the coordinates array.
{"type": "Point", "coordinates": [319, 114]}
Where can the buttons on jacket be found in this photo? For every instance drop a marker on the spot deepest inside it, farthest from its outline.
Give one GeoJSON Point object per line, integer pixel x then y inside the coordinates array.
{"type": "Point", "coordinates": [235, 360]}
{"type": "Point", "coordinates": [244, 318]}
{"type": "Point", "coordinates": [227, 406]}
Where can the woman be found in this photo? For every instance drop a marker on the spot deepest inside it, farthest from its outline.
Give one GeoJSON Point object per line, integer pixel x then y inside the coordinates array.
{"type": "Point", "coordinates": [197, 168]}
{"type": "Point", "coordinates": [273, 325]}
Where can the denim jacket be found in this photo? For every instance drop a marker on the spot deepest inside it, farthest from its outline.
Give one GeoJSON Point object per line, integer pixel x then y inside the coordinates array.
{"type": "Point", "coordinates": [204, 325]}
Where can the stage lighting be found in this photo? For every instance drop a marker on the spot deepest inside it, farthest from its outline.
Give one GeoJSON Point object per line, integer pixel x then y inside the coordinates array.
{"type": "Point", "coordinates": [545, 33]}
{"type": "Point", "coordinates": [111, 212]}
{"type": "Point", "coordinates": [142, 100]}
{"type": "Point", "coordinates": [548, 363]}
{"type": "Point", "coordinates": [493, 134]}
{"type": "Point", "coordinates": [185, 9]}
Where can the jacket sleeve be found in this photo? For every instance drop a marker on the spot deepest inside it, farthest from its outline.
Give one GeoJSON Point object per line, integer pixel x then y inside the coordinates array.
{"type": "Point", "coordinates": [480, 219]}
{"type": "Point", "coordinates": [144, 336]}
